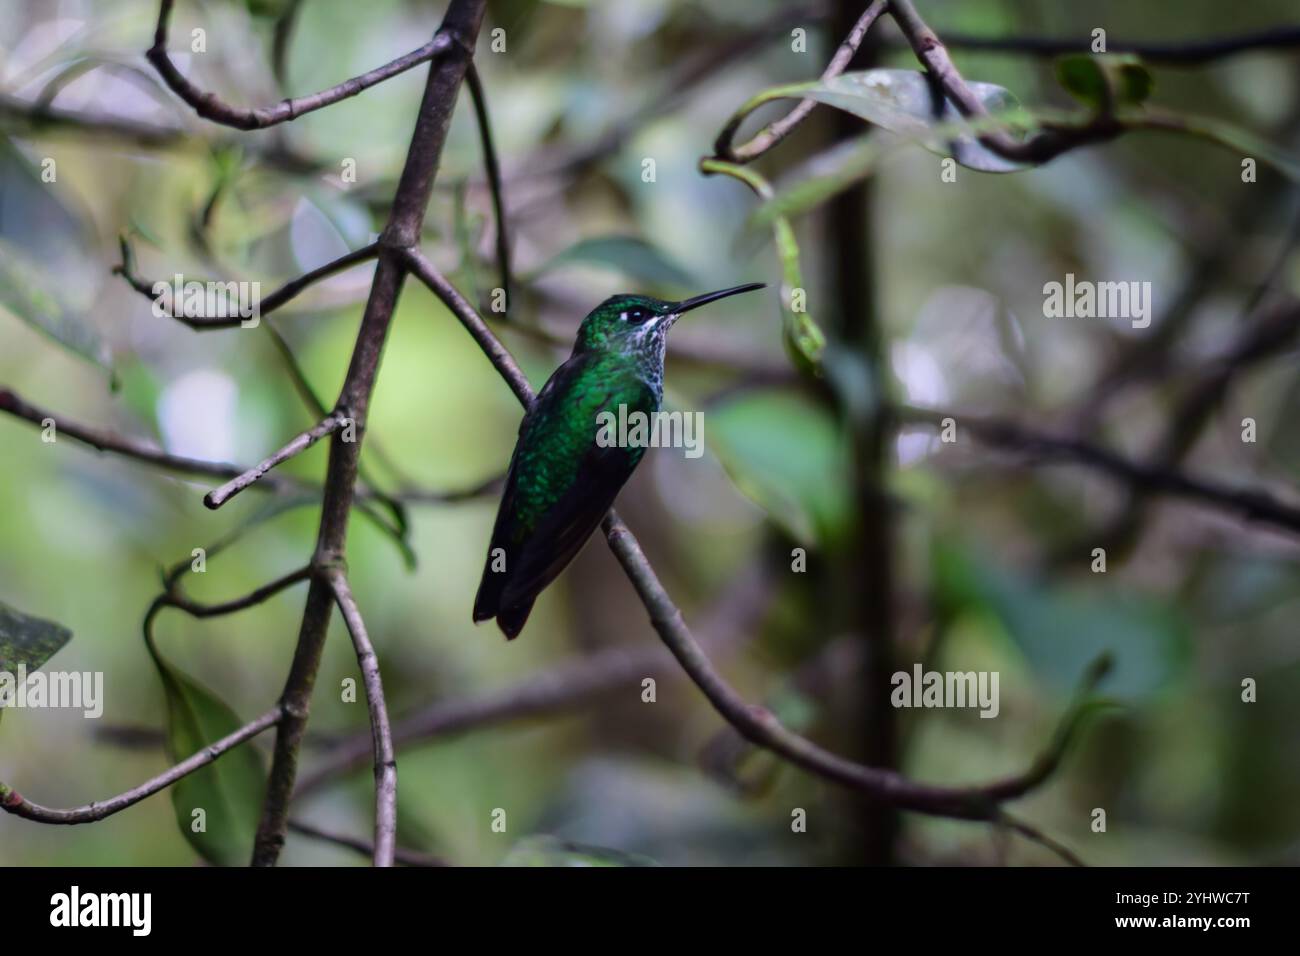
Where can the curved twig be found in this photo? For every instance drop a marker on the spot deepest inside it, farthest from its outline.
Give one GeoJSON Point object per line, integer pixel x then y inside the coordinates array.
{"type": "Point", "coordinates": [13, 802]}
{"type": "Point", "coordinates": [774, 132]}
{"type": "Point", "coordinates": [380, 731]}
{"type": "Point", "coordinates": [282, 295]}
{"type": "Point", "coordinates": [492, 169]}
{"type": "Point", "coordinates": [1254, 504]}
{"type": "Point", "coordinates": [102, 440]}
{"type": "Point", "coordinates": [211, 107]}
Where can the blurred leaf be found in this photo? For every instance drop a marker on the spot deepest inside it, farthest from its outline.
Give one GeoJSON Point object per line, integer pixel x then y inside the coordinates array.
{"type": "Point", "coordinates": [1283, 441]}
{"type": "Point", "coordinates": [786, 454]}
{"type": "Point", "coordinates": [630, 255]}
{"type": "Point", "coordinates": [23, 293]}
{"type": "Point", "coordinates": [552, 851]}
{"type": "Point", "coordinates": [43, 256]}
{"type": "Point", "coordinates": [903, 102]}
{"type": "Point", "coordinates": [230, 789]}
{"type": "Point", "coordinates": [1062, 634]}
{"type": "Point", "coordinates": [273, 9]}
{"type": "Point", "coordinates": [27, 641]}
{"type": "Point", "coordinates": [1115, 78]}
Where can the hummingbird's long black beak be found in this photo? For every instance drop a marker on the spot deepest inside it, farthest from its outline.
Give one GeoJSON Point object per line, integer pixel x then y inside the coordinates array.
{"type": "Point", "coordinates": [694, 303]}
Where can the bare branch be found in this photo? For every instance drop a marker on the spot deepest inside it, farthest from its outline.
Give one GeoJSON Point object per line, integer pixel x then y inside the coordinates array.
{"type": "Point", "coordinates": [461, 26]}
{"type": "Point", "coordinates": [1048, 143]}
{"type": "Point", "coordinates": [1044, 448]}
{"type": "Point", "coordinates": [101, 440]}
{"type": "Point", "coordinates": [1038, 836]}
{"type": "Point", "coordinates": [31, 118]}
{"type": "Point", "coordinates": [493, 172]}
{"type": "Point", "coordinates": [211, 107]}
{"type": "Point", "coordinates": [331, 423]}
{"type": "Point", "coordinates": [400, 855]}
{"type": "Point", "coordinates": [1178, 53]}
{"type": "Point", "coordinates": [381, 732]}
{"type": "Point", "coordinates": [760, 726]}
{"type": "Point", "coordinates": [282, 295]}
{"type": "Point", "coordinates": [561, 688]}
{"type": "Point", "coordinates": [772, 134]}
{"type": "Point", "coordinates": [174, 598]}
{"type": "Point", "coordinates": [15, 803]}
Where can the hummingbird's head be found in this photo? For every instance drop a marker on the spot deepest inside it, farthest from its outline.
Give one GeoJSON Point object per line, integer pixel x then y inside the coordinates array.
{"type": "Point", "coordinates": [640, 323]}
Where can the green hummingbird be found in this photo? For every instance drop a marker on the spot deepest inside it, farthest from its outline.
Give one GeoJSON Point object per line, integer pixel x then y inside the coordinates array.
{"type": "Point", "coordinates": [561, 480]}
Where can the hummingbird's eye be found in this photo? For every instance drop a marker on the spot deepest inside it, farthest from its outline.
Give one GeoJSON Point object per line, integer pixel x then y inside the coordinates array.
{"type": "Point", "coordinates": [636, 315]}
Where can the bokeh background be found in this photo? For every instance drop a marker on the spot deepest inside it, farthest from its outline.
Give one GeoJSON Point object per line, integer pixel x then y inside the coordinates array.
{"type": "Point", "coordinates": [990, 553]}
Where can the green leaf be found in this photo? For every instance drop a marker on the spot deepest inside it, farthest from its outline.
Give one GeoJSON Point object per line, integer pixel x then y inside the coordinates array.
{"type": "Point", "coordinates": [1120, 79]}
{"type": "Point", "coordinates": [551, 851]}
{"type": "Point", "coordinates": [1061, 633]}
{"type": "Point", "coordinates": [27, 641]}
{"type": "Point", "coordinates": [229, 790]}
{"type": "Point", "coordinates": [44, 252]}
{"type": "Point", "coordinates": [786, 454]}
{"type": "Point", "coordinates": [903, 102]}
{"type": "Point", "coordinates": [26, 293]}
{"type": "Point", "coordinates": [629, 255]}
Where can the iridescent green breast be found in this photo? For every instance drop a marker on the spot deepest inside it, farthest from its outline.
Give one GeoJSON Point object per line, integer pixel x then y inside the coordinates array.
{"type": "Point", "coordinates": [557, 448]}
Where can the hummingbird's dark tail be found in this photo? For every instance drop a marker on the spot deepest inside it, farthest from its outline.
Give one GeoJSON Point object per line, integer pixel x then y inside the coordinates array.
{"type": "Point", "coordinates": [511, 620]}
{"type": "Point", "coordinates": [487, 605]}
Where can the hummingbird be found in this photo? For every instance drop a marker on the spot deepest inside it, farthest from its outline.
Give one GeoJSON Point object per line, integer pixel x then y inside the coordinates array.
{"type": "Point", "coordinates": [561, 480]}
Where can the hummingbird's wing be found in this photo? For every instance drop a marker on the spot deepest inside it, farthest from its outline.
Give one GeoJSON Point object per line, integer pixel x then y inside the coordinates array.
{"type": "Point", "coordinates": [560, 484]}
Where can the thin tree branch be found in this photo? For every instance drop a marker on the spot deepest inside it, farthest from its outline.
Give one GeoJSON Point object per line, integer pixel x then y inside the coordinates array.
{"type": "Point", "coordinates": [1036, 835]}
{"type": "Point", "coordinates": [1048, 143]}
{"type": "Point", "coordinates": [460, 27]}
{"type": "Point", "coordinates": [105, 441]}
{"type": "Point", "coordinates": [774, 132]}
{"type": "Point", "coordinates": [400, 855]}
{"type": "Point", "coordinates": [219, 496]}
{"type": "Point", "coordinates": [561, 688]}
{"type": "Point", "coordinates": [13, 802]}
{"type": "Point", "coordinates": [706, 62]}
{"type": "Point", "coordinates": [173, 598]}
{"type": "Point", "coordinates": [282, 295]}
{"type": "Point", "coordinates": [1176, 53]}
{"type": "Point", "coordinates": [380, 730]}
{"type": "Point", "coordinates": [1261, 338]}
{"type": "Point", "coordinates": [1044, 448]}
{"type": "Point", "coordinates": [211, 107]}
{"type": "Point", "coordinates": [30, 118]}
{"type": "Point", "coordinates": [760, 726]}
{"type": "Point", "coordinates": [493, 172]}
